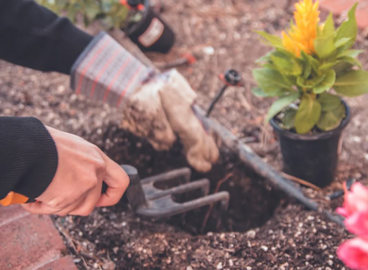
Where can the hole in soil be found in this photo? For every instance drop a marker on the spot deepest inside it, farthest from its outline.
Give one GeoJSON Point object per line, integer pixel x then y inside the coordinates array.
{"type": "Point", "coordinates": [252, 200]}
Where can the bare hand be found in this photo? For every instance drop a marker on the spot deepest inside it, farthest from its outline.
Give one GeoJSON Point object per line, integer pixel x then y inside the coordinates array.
{"type": "Point", "coordinates": [76, 187]}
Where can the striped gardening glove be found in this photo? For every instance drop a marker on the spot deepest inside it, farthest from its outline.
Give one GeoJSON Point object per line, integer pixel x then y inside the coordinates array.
{"type": "Point", "coordinates": [155, 106]}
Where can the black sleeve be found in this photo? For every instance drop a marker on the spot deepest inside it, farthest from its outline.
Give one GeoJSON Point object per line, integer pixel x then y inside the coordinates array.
{"type": "Point", "coordinates": [28, 157]}
{"type": "Point", "coordinates": [33, 36]}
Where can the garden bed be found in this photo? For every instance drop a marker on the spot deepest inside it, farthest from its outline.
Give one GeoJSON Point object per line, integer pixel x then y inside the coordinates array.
{"type": "Point", "coordinates": [263, 228]}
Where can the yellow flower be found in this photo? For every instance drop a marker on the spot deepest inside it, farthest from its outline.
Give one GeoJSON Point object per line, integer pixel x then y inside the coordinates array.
{"type": "Point", "coordinates": [301, 36]}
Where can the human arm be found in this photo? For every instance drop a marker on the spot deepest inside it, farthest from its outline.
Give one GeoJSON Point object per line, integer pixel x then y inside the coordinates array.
{"type": "Point", "coordinates": [32, 155]}
{"type": "Point", "coordinates": [35, 37]}
{"type": "Point", "coordinates": [54, 44]}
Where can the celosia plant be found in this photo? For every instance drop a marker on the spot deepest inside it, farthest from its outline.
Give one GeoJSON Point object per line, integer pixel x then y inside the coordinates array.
{"type": "Point", "coordinates": [354, 252]}
{"type": "Point", "coordinates": [311, 67]}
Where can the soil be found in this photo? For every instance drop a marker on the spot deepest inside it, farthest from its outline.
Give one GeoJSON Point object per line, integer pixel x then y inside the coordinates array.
{"type": "Point", "coordinates": [263, 228]}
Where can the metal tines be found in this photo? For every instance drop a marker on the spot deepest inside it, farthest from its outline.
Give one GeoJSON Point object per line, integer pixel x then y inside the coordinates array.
{"type": "Point", "coordinates": [147, 199]}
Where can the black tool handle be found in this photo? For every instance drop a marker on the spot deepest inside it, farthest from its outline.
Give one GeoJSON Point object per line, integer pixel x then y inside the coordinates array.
{"type": "Point", "coordinates": [135, 193]}
{"type": "Point", "coordinates": [131, 171]}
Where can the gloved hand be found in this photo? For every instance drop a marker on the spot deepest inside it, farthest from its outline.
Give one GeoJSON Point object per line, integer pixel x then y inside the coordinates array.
{"type": "Point", "coordinates": [155, 106]}
{"type": "Point", "coordinates": [162, 107]}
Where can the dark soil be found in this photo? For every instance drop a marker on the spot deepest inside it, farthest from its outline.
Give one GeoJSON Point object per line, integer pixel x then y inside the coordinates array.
{"type": "Point", "coordinates": [263, 228]}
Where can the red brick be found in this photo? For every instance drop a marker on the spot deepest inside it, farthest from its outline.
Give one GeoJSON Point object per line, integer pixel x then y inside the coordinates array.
{"type": "Point", "coordinates": [29, 242]}
{"type": "Point", "coordinates": [362, 17]}
{"type": "Point", "coordinates": [65, 263]}
{"type": "Point", "coordinates": [11, 213]}
{"type": "Point", "coordinates": [337, 6]}
{"type": "Point", "coordinates": [342, 6]}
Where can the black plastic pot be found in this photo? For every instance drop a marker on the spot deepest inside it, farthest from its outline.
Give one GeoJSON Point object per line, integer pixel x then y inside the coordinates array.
{"type": "Point", "coordinates": [151, 33]}
{"type": "Point", "coordinates": [312, 158]}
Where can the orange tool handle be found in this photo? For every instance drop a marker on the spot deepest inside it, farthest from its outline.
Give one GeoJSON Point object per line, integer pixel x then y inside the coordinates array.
{"type": "Point", "coordinates": [13, 198]}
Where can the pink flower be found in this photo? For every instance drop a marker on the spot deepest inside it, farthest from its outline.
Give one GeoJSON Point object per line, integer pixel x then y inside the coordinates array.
{"type": "Point", "coordinates": [357, 223]}
{"type": "Point", "coordinates": [355, 201]}
{"type": "Point", "coordinates": [354, 253]}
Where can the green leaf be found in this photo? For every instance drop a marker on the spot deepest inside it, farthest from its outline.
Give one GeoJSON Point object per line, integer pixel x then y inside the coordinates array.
{"type": "Point", "coordinates": [326, 83]}
{"type": "Point", "coordinates": [350, 60]}
{"type": "Point", "coordinates": [353, 83]}
{"type": "Point", "coordinates": [308, 114]}
{"type": "Point", "coordinates": [272, 40]}
{"type": "Point", "coordinates": [329, 26]}
{"type": "Point", "coordinates": [271, 81]}
{"type": "Point", "coordinates": [325, 45]}
{"type": "Point", "coordinates": [310, 83]}
{"type": "Point", "coordinates": [258, 92]}
{"type": "Point", "coordinates": [111, 12]}
{"type": "Point", "coordinates": [280, 104]}
{"type": "Point", "coordinates": [92, 11]}
{"type": "Point", "coordinates": [329, 102]}
{"type": "Point", "coordinates": [307, 66]}
{"type": "Point", "coordinates": [342, 42]}
{"type": "Point", "coordinates": [286, 63]}
{"type": "Point", "coordinates": [311, 60]}
{"type": "Point", "coordinates": [350, 53]}
{"type": "Point", "coordinates": [327, 65]}
{"type": "Point", "coordinates": [288, 118]}
{"type": "Point", "coordinates": [265, 58]}
{"type": "Point", "coordinates": [331, 119]}
{"type": "Point", "coordinates": [348, 29]}
{"type": "Point", "coordinates": [342, 68]}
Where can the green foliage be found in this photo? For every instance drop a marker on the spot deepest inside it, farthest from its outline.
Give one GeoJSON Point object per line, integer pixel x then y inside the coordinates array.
{"type": "Point", "coordinates": [310, 87]}
{"type": "Point", "coordinates": [110, 12]}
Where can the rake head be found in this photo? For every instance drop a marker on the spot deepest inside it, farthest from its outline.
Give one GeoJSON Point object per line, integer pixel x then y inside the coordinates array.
{"type": "Point", "coordinates": [147, 198]}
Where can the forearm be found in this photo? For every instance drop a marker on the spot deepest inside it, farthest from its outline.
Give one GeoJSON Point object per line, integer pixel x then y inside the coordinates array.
{"type": "Point", "coordinates": [28, 156]}
{"type": "Point", "coordinates": [35, 37]}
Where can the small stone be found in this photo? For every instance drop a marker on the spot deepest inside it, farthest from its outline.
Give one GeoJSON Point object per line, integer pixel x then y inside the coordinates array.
{"type": "Point", "coordinates": [219, 266]}
{"type": "Point", "coordinates": [209, 50]}
{"type": "Point", "coordinates": [356, 139]}
{"type": "Point", "coordinates": [264, 248]}
{"type": "Point", "coordinates": [251, 234]}
{"type": "Point", "coordinates": [330, 262]}
{"type": "Point", "coordinates": [189, 268]}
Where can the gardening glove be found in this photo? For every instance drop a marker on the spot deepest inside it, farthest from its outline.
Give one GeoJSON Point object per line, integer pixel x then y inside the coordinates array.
{"type": "Point", "coordinates": [155, 106]}
{"type": "Point", "coordinates": [177, 98]}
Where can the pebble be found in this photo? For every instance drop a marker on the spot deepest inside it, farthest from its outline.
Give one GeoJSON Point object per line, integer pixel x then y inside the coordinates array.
{"type": "Point", "coordinates": [251, 234]}
{"type": "Point", "coordinates": [209, 50]}
{"type": "Point", "coordinates": [356, 139]}
{"type": "Point", "coordinates": [219, 266]}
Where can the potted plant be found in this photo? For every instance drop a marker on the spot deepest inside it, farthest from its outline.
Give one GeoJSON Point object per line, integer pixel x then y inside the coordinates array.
{"type": "Point", "coordinates": [135, 17]}
{"type": "Point", "coordinates": [311, 67]}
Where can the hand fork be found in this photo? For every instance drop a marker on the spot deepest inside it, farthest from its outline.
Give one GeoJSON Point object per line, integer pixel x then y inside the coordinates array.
{"type": "Point", "coordinates": [147, 199]}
